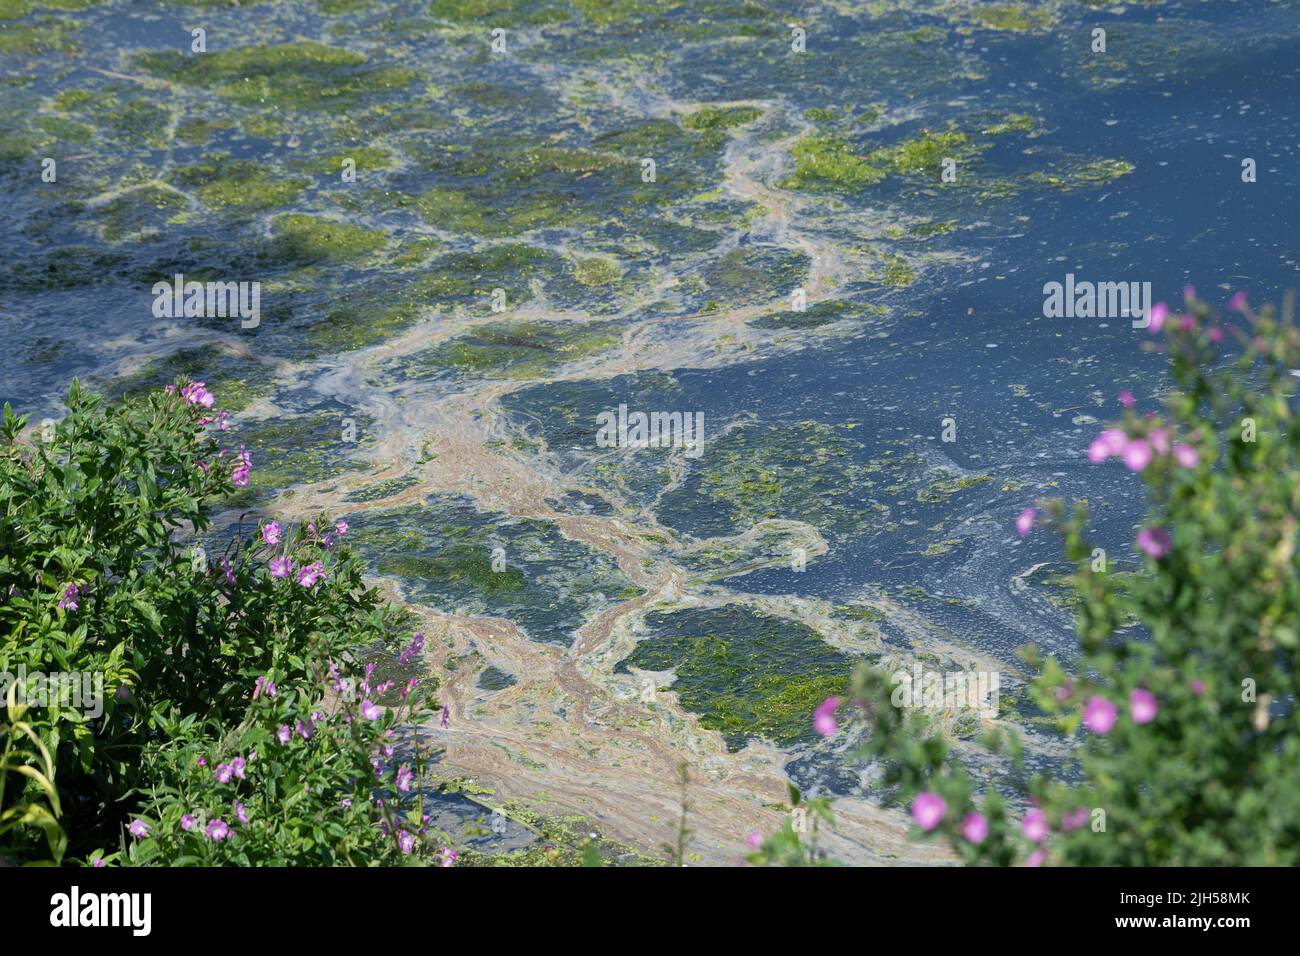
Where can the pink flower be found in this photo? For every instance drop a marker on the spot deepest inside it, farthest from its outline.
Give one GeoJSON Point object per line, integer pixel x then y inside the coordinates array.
{"type": "Point", "coordinates": [404, 779]}
{"type": "Point", "coordinates": [263, 685]}
{"type": "Point", "coordinates": [412, 650]}
{"type": "Point", "coordinates": [98, 862]}
{"type": "Point", "coordinates": [1099, 715]}
{"type": "Point", "coordinates": [69, 600]}
{"type": "Point", "coordinates": [1238, 302]}
{"type": "Point", "coordinates": [138, 829]}
{"type": "Point", "coordinates": [240, 813]}
{"type": "Point", "coordinates": [1025, 523]}
{"type": "Point", "coordinates": [187, 822]}
{"type": "Point", "coordinates": [1074, 819]}
{"type": "Point", "coordinates": [1109, 443]}
{"type": "Point", "coordinates": [824, 717]}
{"type": "Point", "coordinates": [305, 730]}
{"type": "Point", "coordinates": [1187, 323]}
{"type": "Point", "coordinates": [1126, 399]}
{"type": "Point", "coordinates": [1186, 456]}
{"type": "Point", "coordinates": [309, 574]}
{"type": "Point", "coordinates": [1216, 335]}
{"type": "Point", "coordinates": [445, 719]}
{"type": "Point", "coordinates": [240, 474]}
{"type": "Point", "coordinates": [370, 710]}
{"type": "Point", "coordinates": [223, 773]}
{"type": "Point", "coordinates": [1198, 687]}
{"type": "Point", "coordinates": [927, 810]}
{"type": "Point", "coordinates": [447, 855]}
{"type": "Point", "coordinates": [1159, 439]}
{"type": "Point", "coordinates": [341, 528]}
{"type": "Point", "coordinates": [237, 767]}
{"type": "Point", "coordinates": [271, 532]}
{"type": "Point", "coordinates": [284, 734]}
{"type": "Point", "coordinates": [1034, 826]}
{"type": "Point", "coordinates": [217, 829]}
{"type": "Point", "coordinates": [1159, 312]}
{"type": "Point", "coordinates": [196, 394]}
{"type": "Point", "coordinates": [1142, 706]}
{"type": "Point", "coordinates": [406, 841]}
{"type": "Point", "coordinates": [1036, 858]}
{"type": "Point", "coordinates": [975, 827]}
{"type": "Point", "coordinates": [1137, 455]}
{"type": "Point", "coordinates": [755, 839]}
{"type": "Point", "coordinates": [281, 567]}
{"type": "Point", "coordinates": [1154, 541]}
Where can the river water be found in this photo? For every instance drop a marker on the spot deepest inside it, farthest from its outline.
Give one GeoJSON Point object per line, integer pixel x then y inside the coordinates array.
{"type": "Point", "coordinates": [558, 209]}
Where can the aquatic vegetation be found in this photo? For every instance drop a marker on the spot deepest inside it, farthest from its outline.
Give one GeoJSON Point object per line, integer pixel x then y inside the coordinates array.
{"type": "Point", "coordinates": [596, 271]}
{"type": "Point", "coordinates": [493, 679]}
{"type": "Point", "coordinates": [307, 240]}
{"type": "Point", "coordinates": [641, 192]}
{"type": "Point", "coordinates": [827, 162]}
{"type": "Point", "coordinates": [240, 380]}
{"type": "Point", "coordinates": [43, 35]}
{"type": "Point", "coordinates": [295, 449]}
{"type": "Point", "coordinates": [746, 674]}
{"type": "Point", "coordinates": [814, 316]}
{"type": "Point", "coordinates": [449, 554]}
{"type": "Point", "coordinates": [379, 490]}
{"type": "Point", "coordinates": [141, 214]}
{"type": "Point", "coordinates": [922, 153]}
{"type": "Point", "coordinates": [293, 76]}
{"type": "Point", "coordinates": [1084, 174]}
{"type": "Point", "coordinates": [367, 313]}
{"type": "Point", "coordinates": [751, 274]}
{"type": "Point", "coordinates": [769, 544]}
{"type": "Point", "coordinates": [223, 183]}
{"type": "Point", "coordinates": [945, 484]}
{"type": "Point", "coordinates": [515, 349]}
{"type": "Point", "coordinates": [804, 471]}
{"type": "Point", "coordinates": [1018, 18]}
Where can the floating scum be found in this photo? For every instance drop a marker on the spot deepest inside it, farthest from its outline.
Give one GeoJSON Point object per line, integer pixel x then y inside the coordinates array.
{"type": "Point", "coordinates": [624, 336]}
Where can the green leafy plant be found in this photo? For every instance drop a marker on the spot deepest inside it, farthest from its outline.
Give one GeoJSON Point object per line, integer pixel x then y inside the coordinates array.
{"type": "Point", "coordinates": [231, 686]}
{"type": "Point", "coordinates": [1187, 739]}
